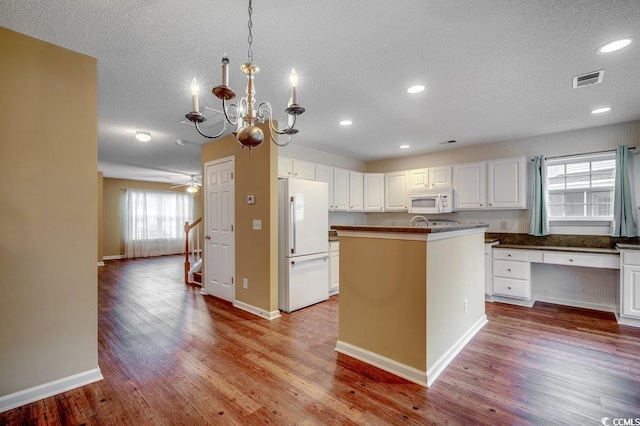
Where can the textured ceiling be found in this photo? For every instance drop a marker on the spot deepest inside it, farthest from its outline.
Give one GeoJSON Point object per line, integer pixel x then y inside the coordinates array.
{"type": "Point", "coordinates": [493, 70]}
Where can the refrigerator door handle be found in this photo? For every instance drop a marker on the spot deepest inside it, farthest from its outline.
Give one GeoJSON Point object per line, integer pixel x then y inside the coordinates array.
{"type": "Point", "coordinates": [292, 218]}
{"type": "Point", "coordinates": [293, 262]}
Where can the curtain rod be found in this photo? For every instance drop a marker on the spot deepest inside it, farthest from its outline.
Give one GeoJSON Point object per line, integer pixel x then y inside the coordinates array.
{"type": "Point", "coordinates": [632, 148]}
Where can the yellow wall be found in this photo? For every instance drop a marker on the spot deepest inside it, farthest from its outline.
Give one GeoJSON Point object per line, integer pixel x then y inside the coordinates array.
{"type": "Point", "coordinates": [455, 272]}
{"type": "Point", "coordinates": [383, 298]}
{"type": "Point", "coordinates": [100, 217]}
{"type": "Point", "coordinates": [113, 196]}
{"type": "Point", "coordinates": [256, 251]}
{"type": "Point", "coordinates": [49, 197]}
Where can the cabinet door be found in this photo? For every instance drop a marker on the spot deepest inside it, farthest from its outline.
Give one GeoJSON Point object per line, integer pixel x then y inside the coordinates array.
{"type": "Point", "coordinates": [507, 186]}
{"type": "Point", "coordinates": [334, 267]}
{"type": "Point", "coordinates": [487, 269]}
{"type": "Point", "coordinates": [630, 300]}
{"type": "Point", "coordinates": [374, 192]}
{"type": "Point", "coordinates": [325, 174]}
{"type": "Point", "coordinates": [285, 167]}
{"type": "Point", "coordinates": [340, 190]}
{"type": "Point", "coordinates": [304, 170]}
{"type": "Point", "coordinates": [356, 191]}
{"type": "Point", "coordinates": [395, 191]}
{"type": "Point", "coordinates": [440, 177]}
{"type": "Point", "coordinates": [469, 184]}
{"type": "Point", "coordinates": [419, 179]}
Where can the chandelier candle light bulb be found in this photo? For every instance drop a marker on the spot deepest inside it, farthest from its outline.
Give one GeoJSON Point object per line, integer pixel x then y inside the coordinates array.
{"type": "Point", "coordinates": [225, 70]}
{"type": "Point", "coordinates": [293, 79]}
{"type": "Point", "coordinates": [194, 93]}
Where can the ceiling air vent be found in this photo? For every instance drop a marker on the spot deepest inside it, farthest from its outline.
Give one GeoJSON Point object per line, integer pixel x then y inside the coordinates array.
{"type": "Point", "coordinates": [593, 77]}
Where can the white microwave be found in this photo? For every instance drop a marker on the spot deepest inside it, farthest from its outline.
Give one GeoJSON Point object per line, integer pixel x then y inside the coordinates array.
{"type": "Point", "coordinates": [431, 201]}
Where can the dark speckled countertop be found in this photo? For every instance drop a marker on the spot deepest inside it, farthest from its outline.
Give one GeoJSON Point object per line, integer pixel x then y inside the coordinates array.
{"type": "Point", "coordinates": [569, 243]}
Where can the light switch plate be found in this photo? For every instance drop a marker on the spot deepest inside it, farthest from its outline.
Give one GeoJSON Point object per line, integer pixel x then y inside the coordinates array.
{"type": "Point", "coordinates": [257, 225]}
{"type": "Point", "coordinates": [251, 199]}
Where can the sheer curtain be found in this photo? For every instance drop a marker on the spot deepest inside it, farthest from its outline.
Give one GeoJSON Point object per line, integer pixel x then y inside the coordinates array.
{"type": "Point", "coordinates": [538, 219]}
{"type": "Point", "coordinates": [154, 222]}
{"type": "Point", "coordinates": [622, 224]}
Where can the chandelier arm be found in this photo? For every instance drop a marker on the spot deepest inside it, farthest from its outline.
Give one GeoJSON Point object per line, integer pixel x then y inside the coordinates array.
{"type": "Point", "coordinates": [266, 107]}
{"type": "Point", "coordinates": [226, 112]}
{"type": "Point", "coordinates": [224, 127]}
{"type": "Point", "coordinates": [280, 143]}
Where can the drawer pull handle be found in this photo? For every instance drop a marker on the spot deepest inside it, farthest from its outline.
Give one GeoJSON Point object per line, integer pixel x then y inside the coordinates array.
{"type": "Point", "coordinates": [570, 260]}
{"type": "Point", "coordinates": [509, 269]}
{"type": "Point", "coordinates": [509, 255]}
{"type": "Point", "coordinates": [509, 288]}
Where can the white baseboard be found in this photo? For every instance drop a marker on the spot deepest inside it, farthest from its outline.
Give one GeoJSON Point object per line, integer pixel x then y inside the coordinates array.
{"type": "Point", "coordinates": [576, 303]}
{"type": "Point", "coordinates": [511, 301]}
{"type": "Point", "coordinates": [256, 311]}
{"type": "Point", "coordinates": [46, 390]}
{"type": "Point", "coordinates": [114, 257]}
{"type": "Point", "coordinates": [334, 292]}
{"type": "Point", "coordinates": [439, 366]}
{"type": "Point", "coordinates": [632, 322]}
{"type": "Point", "coordinates": [394, 367]}
{"type": "Point", "coordinates": [100, 263]}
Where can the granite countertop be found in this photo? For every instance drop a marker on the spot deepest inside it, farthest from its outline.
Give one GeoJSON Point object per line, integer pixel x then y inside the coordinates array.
{"type": "Point", "coordinates": [407, 229]}
{"type": "Point", "coordinates": [622, 246]}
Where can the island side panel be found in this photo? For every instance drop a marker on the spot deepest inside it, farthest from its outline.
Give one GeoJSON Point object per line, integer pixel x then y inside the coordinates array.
{"type": "Point", "coordinates": [383, 298]}
{"type": "Point", "coordinates": [455, 272]}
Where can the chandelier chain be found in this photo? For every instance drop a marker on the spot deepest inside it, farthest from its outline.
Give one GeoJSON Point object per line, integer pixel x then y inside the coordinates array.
{"type": "Point", "coordinates": [250, 37]}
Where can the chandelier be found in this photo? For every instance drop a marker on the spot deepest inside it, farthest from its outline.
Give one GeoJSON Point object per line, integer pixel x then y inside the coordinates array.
{"type": "Point", "coordinates": [245, 114]}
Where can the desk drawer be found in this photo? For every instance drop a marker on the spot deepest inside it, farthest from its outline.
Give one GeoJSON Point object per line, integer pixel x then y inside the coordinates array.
{"type": "Point", "coordinates": [511, 269]}
{"type": "Point", "coordinates": [631, 257]}
{"type": "Point", "coordinates": [511, 288]}
{"type": "Point", "coordinates": [506, 254]}
{"type": "Point", "coordinates": [575, 259]}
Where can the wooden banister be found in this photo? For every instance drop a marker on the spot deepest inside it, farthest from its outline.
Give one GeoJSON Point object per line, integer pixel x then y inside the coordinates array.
{"type": "Point", "coordinates": [187, 264]}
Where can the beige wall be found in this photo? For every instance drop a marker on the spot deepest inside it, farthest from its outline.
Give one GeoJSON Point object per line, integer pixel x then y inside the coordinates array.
{"type": "Point", "coordinates": [256, 251]}
{"type": "Point", "coordinates": [113, 197]}
{"type": "Point", "coordinates": [455, 272]}
{"type": "Point", "coordinates": [100, 217]}
{"type": "Point", "coordinates": [48, 236]}
{"type": "Point", "coordinates": [383, 298]}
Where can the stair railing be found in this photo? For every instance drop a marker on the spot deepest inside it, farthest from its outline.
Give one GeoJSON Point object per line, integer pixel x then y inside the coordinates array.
{"type": "Point", "coordinates": [193, 250]}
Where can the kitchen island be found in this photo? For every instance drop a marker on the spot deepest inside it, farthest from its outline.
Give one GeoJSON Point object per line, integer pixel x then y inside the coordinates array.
{"type": "Point", "coordinates": [410, 297]}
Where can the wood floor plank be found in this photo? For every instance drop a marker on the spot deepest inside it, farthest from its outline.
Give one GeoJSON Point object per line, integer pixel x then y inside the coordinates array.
{"type": "Point", "coordinates": [171, 356]}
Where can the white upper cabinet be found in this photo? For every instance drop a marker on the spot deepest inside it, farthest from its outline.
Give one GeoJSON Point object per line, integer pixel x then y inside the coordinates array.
{"type": "Point", "coordinates": [395, 191]}
{"type": "Point", "coordinates": [356, 194]}
{"type": "Point", "coordinates": [325, 174]}
{"type": "Point", "coordinates": [341, 190]}
{"type": "Point", "coordinates": [374, 192]}
{"type": "Point", "coordinates": [304, 170]}
{"type": "Point", "coordinates": [440, 177]}
{"type": "Point", "coordinates": [506, 183]}
{"type": "Point", "coordinates": [469, 184]}
{"type": "Point", "coordinates": [285, 167]}
{"type": "Point", "coordinates": [418, 179]}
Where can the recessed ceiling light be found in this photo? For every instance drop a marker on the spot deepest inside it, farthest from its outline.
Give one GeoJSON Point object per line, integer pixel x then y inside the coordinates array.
{"type": "Point", "coordinates": [600, 110]}
{"type": "Point", "coordinates": [143, 136]}
{"type": "Point", "coordinates": [346, 123]}
{"type": "Point", "coordinates": [614, 45]}
{"type": "Point", "coordinates": [415, 89]}
{"type": "Point", "coordinates": [405, 146]}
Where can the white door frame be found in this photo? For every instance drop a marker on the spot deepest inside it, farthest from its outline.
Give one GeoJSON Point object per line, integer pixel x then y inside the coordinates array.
{"type": "Point", "coordinates": [207, 224]}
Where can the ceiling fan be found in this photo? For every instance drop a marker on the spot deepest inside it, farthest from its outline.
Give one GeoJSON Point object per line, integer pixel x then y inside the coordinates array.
{"type": "Point", "coordinates": [192, 185]}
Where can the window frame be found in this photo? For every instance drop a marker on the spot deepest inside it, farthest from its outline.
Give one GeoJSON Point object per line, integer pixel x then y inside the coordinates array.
{"type": "Point", "coordinates": [579, 220]}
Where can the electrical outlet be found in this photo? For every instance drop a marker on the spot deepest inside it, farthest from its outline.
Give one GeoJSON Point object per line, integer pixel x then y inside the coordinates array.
{"type": "Point", "coordinates": [503, 225]}
{"type": "Point", "coordinates": [245, 283]}
{"type": "Point", "coordinates": [466, 307]}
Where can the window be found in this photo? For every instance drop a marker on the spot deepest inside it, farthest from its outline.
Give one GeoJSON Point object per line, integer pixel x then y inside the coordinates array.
{"type": "Point", "coordinates": [155, 222]}
{"type": "Point", "coordinates": [581, 187]}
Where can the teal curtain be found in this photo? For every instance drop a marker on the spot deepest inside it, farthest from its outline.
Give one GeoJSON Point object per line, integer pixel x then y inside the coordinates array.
{"type": "Point", "coordinates": [538, 219]}
{"type": "Point", "coordinates": [622, 224]}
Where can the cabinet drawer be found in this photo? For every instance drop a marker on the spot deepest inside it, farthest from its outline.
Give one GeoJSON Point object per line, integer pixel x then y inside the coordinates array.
{"type": "Point", "coordinates": [511, 288]}
{"type": "Point", "coordinates": [575, 259]}
{"type": "Point", "coordinates": [511, 269]}
{"type": "Point", "coordinates": [631, 257]}
{"type": "Point", "coordinates": [521, 255]}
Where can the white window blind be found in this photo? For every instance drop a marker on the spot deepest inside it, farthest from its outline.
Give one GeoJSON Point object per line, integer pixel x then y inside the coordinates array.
{"type": "Point", "coordinates": [581, 187]}
{"type": "Point", "coordinates": [154, 222]}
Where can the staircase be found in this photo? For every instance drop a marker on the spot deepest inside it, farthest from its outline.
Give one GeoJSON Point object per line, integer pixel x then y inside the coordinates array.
{"type": "Point", "coordinates": [193, 253]}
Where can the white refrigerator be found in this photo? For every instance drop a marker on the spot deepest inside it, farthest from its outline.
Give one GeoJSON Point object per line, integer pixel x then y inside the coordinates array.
{"type": "Point", "coordinates": [303, 246]}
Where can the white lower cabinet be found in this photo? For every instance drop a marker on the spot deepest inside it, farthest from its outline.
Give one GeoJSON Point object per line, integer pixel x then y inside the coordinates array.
{"type": "Point", "coordinates": [334, 267]}
{"type": "Point", "coordinates": [630, 285]}
{"type": "Point", "coordinates": [487, 269]}
{"type": "Point", "coordinates": [510, 276]}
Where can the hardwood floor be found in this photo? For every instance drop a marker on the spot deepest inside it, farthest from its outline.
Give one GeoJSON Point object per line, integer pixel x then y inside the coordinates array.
{"type": "Point", "coordinates": [173, 357]}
